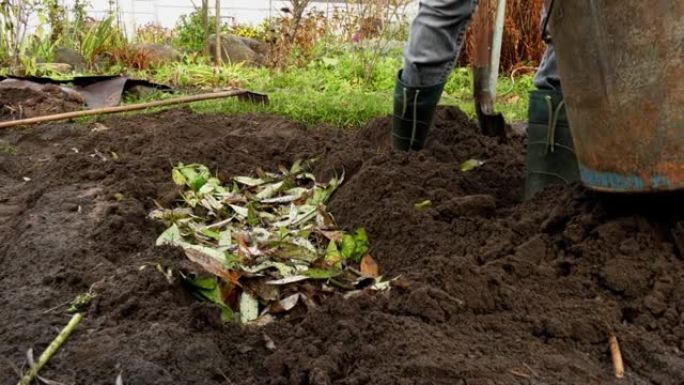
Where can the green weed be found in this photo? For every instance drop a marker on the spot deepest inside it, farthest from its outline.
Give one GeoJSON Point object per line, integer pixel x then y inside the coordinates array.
{"type": "Point", "coordinates": [7, 148]}
{"type": "Point", "coordinates": [331, 90]}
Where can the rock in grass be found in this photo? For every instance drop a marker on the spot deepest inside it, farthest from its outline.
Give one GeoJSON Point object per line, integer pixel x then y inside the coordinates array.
{"type": "Point", "coordinates": [236, 49]}
{"type": "Point", "coordinates": [70, 57]}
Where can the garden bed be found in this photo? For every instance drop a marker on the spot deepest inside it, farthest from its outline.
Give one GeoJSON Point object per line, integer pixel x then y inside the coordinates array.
{"type": "Point", "coordinates": [490, 290]}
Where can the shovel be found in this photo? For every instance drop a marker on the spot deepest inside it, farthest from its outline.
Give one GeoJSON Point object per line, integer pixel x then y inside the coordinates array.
{"type": "Point", "coordinates": [488, 40]}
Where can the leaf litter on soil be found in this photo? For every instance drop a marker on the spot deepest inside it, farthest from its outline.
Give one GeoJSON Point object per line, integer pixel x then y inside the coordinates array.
{"type": "Point", "coordinates": [267, 243]}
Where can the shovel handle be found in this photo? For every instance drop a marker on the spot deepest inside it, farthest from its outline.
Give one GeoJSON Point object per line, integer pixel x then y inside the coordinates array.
{"type": "Point", "coordinates": [497, 40]}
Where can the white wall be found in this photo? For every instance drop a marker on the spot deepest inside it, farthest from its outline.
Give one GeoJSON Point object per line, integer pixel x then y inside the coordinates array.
{"type": "Point", "coordinates": [167, 12]}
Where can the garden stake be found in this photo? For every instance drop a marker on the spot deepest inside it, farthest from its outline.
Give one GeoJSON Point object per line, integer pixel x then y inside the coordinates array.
{"type": "Point", "coordinates": [51, 349]}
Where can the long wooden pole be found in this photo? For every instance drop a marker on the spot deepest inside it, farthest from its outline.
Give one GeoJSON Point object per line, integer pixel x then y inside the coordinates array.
{"type": "Point", "coordinates": [218, 33]}
{"type": "Point", "coordinates": [205, 25]}
{"type": "Point", "coordinates": [130, 107]}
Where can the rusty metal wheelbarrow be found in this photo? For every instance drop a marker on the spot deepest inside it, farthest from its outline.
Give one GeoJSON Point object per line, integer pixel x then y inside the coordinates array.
{"type": "Point", "coordinates": [622, 68]}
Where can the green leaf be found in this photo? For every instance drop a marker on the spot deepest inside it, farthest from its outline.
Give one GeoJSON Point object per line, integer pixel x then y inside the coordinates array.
{"type": "Point", "coordinates": [330, 62]}
{"type": "Point", "coordinates": [211, 234]}
{"type": "Point", "coordinates": [322, 273]}
{"type": "Point", "coordinates": [192, 175]}
{"type": "Point", "coordinates": [178, 177]}
{"type": "Point", "coordinates": [171, 236]}
{"type": "Point", "coordinates": [208, 289]}
{"type": "Point", "coordinates": [332, 253]}
{"type": "Point", "coordinates": [471, 164]}
{"type": "Point", "coordinates": [348, 245]}
{"type": "Point", "coordinates": [426, 204]}
{"type": "Point", "coordinates": [204, 283]}
{"type": "Point", "coordinates": [296, 167]}
{"type": "Point", "coordinates": [252, 217]}
{"type": "Point", "coordinates": [212, 185]}
{"type": "Point", "coordinates": [355, 246]}
{"type": "Point", "coordinates": [362, 244]}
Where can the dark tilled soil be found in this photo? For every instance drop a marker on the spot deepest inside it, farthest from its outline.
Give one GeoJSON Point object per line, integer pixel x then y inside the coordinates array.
{"type": "Point", "coordinates": [493, 291]}
{"type": "Point", "coordinates": [19, 101]}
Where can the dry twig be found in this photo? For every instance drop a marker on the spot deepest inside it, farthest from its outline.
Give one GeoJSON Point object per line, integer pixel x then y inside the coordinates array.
{"type": "Point", "coordinates": [616, 355]}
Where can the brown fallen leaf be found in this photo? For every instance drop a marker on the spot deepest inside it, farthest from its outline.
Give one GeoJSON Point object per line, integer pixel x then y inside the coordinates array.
{"type": "Point", "coordinates": [400, 283]}
{"type": "Point", "coordinates": [209, 264]}
{"type": "Point", "coordinates": [243, 249]}
{"type": "Point", "coordinates": [368, 266]}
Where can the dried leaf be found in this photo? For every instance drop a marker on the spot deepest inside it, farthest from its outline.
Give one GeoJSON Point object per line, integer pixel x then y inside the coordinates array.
{"type": "Point", "coordinates": [288, 280]}
{"type": "Point", "coordinates": [369, 267]}
{"type": "Point", "coordinates": [262, 321]}
{"type": "Point", "coordinates": [170, 236]}
{"type": "Point", "coordinates": [249, 308]}
{"type": "Point", "coordinates": [281, 199]}
{"type": "Point", "coordinates": [241, 211]}
{"type": "Point", "coordinates": [288, 250]}
{"type": "Point", "coordinates": [268, 341]}
{"type": "Point", "coordinates": [333, 235]}
{"type": "Point", "coordinates": [212, 261]}
{"type": "Point", "coordinates": [381, 285]}
{"type": "Point", "coordinates": [247, 181]}
{"type": "Point", "coordinates": [254, 235]}
{"type": "Point", "coordinates": [262, 290]}
{"type": "Point", "coordinates": [284, 305]}
{"type": "Point", "coordinates": [269, 191]}
{"type": "Point", "coordinates": [225, 238]}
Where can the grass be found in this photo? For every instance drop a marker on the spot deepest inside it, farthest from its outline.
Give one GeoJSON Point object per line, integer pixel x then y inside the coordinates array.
{"type": "Point", "coordinates": [331, 90]}
{"type": "Point", "coordinates": [7, 148]}
{"type": "Point", "coordinates": [335, 89]}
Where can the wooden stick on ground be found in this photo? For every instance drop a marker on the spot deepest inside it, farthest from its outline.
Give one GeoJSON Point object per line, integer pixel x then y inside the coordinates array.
{"type": "Point", "coordinates": [51, 349]}
{"type": "Point", "coordinates": [130, 107]}
{"type": "Point", "coordinates": [616, 355]}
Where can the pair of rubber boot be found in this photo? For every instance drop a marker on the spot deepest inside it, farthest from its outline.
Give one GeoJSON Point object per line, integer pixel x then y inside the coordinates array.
{"type": "Point", "coordinates": [550, 157]}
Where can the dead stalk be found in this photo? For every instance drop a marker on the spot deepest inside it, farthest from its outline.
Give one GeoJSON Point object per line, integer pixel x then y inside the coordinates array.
{"type": "Point", "coordinates": [616, 355]}
{"type": "Point", "coordinates": [51, 349]}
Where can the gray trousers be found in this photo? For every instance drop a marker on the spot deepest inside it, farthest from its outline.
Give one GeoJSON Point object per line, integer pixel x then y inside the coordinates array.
{"type": "Point", "coordinates": [435, 43]}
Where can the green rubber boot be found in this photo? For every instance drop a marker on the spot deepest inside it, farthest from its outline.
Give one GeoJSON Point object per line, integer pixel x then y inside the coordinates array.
{"type": "Point", "coordinates": [414, 111]}
{"type": "Point", "coordinates": [551, 155]}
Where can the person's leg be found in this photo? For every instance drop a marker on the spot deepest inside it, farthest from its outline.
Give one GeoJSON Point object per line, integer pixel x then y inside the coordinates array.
{"type": "Point", "coordinates": [550, 155]}
{"type": "Point", "coordinates": [434, 45]}
{"type": "Point", "coordinates": [435, 41]}
{"type": "Point", "coordinates": [547, 77]}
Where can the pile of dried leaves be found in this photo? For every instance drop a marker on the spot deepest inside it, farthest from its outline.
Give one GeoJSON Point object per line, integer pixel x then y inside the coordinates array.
{"type": "Point", "coordinates": [265, 243]}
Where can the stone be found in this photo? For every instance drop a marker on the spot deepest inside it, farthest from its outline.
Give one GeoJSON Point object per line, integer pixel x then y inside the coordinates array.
{"type": "Point", "coordinates": [234, 50]}
{"type": "Point", "coordinates": [70, 57]}
{"type": "Point", "coordinates": [255, 45]}
{"type": "Point", "coordinates": [157, 53]}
